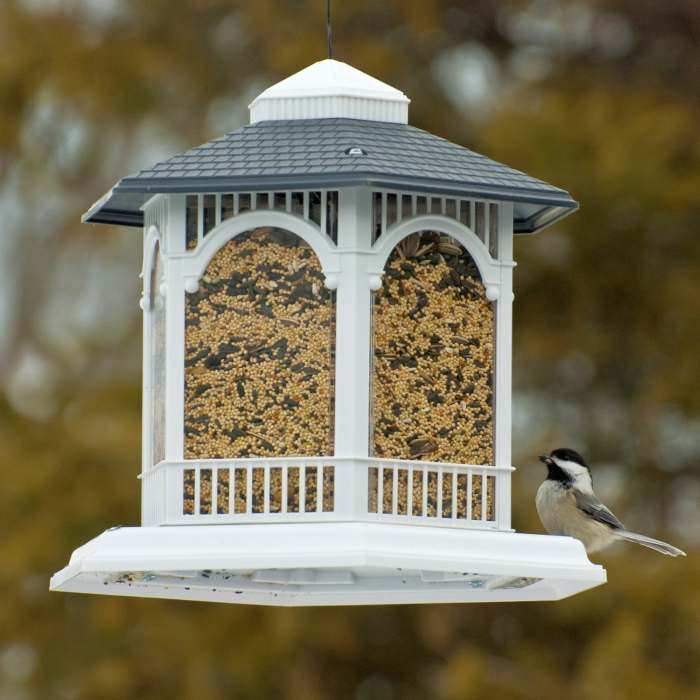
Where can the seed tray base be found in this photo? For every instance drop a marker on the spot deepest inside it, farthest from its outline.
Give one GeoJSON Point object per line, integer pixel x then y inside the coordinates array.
{"type": "Point", "coordinates": [328, 564]}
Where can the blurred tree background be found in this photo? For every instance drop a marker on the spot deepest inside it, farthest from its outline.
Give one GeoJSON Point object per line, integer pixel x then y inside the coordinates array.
{"type": "Point", "coordinates": [599, 96]}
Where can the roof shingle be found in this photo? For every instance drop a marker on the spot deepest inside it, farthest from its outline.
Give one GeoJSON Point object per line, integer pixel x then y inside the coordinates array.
{"type": "Point", "coordinates": [272, 154]}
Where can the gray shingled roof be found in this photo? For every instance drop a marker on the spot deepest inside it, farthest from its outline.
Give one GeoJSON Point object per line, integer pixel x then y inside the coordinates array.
{"type": "Point", "coordinates": [309, 153]}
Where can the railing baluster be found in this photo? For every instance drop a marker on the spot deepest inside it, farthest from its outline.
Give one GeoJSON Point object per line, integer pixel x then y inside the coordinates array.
{"type": "Point", "coordinates": [249, 489]}
{"type": "Point", "coordinates": [395, 491]}
{"type": "Point", "coordinates": [454, 494]}
{"type": "Point", "coordinates": [283, 509]}
{"type": "Point", "coordinates": [266, 489]}
{"type": "Point", "coordinates": [232, 489]}
{"type": "Point", "coordinates": [319, 488]}
{"type": "Point", "coordinates": [469, 495]}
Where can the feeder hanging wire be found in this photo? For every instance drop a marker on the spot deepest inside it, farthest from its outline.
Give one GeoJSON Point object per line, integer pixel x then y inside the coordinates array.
{"type": "Point", "coordinates": [329, 30]}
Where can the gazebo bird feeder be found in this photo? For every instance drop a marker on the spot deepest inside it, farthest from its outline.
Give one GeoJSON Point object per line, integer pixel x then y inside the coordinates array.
{"type": "Point", "coordinates": [327, 308]}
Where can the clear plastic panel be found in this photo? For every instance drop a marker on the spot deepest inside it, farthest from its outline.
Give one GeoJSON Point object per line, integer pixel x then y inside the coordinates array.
{"type": "Point", "coordinates": [311, 490]}
{"type": "Point", "coordinates": [293, 490]}
{"type": "Point", "coordinates": [258, 495]}
{"type": "Point", "coordinates": [477, 486]}
{"type": "Point", "coordinates": [226, 206]}
{"type": "Point", "coordinates": [372, 492]}
{"type": "Point", "coordinates": [480, 220]}
{"type": "Point", "coordinates": [493, 230]}
{"type": "Point", "coordinates": [191, 221]}
{"type": "Point", "coordinates": [244, 202]}
{"type": "Point", "coordinates": [402, 493]}
{"type": "Point", "coordinates": [376, 216]}
{"type": "Point", "coordinates": [433, 359]}
{"type": "Point", "coordinates": [275, 489]}
{"type": "Point", "coordinates": [241, 490]}
{"type": "Point", "coordinates": [222, 491]}
{"type": "Point", "coordinates": [205, 491]}
{"type": "Point", "coordinates": [391, 209]}
{"type": "Point", "coordinates": [465, 212]}
{"type": "Point", "coordinates": [328, 488]}
{"type": "Point", "coordinates": [298, 203]}
{"type": "Point", "coordinates": [315, 207]}
{"type": "Point", "coordinates": [208, 212]}
{"type": "Point", "coordinates": [259, 352]}
{"type": "Point", "coordinates": [387, 489]}
{"type": "Point", "coordinates": [332, 215]}
{"type": "Point", "coordinates": [188, 492]}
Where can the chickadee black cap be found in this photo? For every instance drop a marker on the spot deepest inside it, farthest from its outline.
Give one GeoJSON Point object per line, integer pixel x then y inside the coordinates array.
{"type": "Point", "coordinates": [565, 455]}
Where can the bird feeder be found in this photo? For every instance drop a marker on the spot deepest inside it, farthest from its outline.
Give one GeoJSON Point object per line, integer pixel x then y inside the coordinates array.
{"type": "Point", "coordinates": [327, 300]}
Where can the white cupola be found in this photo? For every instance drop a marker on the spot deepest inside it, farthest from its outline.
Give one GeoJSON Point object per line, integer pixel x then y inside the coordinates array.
{"type": "Point", "coordinates": [327, 89]}
{"type": "Point", "coordinates": [327, 301]}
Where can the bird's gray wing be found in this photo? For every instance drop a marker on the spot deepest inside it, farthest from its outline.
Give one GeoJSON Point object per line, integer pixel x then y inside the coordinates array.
{"type": "Point", "coordinates": [590, 505]}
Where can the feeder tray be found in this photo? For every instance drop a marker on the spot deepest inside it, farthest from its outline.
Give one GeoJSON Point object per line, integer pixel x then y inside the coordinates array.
{"type": "Point", "coordinates": [328, 564]}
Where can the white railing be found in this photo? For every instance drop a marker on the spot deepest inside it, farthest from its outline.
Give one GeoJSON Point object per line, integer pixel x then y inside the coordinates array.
{"type": "Point", "coordinates": [203, 212]}
{"type": "Point", "coordinates": [313, 489]}
{"type": "Point", "coordinates": [390, 208]}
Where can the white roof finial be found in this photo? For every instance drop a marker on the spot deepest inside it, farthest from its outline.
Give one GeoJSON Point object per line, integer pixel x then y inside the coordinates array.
{"type": "Point", "coordinates": [329, 89]}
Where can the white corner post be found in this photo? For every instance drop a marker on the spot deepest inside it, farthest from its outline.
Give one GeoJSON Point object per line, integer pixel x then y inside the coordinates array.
{"type": "Point", "coordinates": [175, 361]}
{"type": "Point", "coordinates": [504, 360]}
{"type": "Point", "coordinates": [146, 360]}
{"type": "Point", "coordinates": [353, 347]}
{"type": "Point", "coordinates": [154, 486]}
{"type": "Point", "coordinates": [175, 331]}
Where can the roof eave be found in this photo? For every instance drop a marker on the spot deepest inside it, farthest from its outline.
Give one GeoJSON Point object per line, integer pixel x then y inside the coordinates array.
{"type": "Point", "coordinates": [555, 204]}
{"type": "Point", "coordinates": [542, 219]}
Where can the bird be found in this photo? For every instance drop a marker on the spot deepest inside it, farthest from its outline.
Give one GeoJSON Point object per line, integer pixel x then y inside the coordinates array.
{"type": "Point", "coordinates": [568, 506]}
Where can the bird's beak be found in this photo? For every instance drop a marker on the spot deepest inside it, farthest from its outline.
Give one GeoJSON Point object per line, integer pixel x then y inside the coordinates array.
{"type": "Point", "coordinates": [545, 459]}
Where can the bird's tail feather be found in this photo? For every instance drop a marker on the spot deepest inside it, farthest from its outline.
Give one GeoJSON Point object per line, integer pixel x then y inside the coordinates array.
{"type": "Point", "coordinates": [645, 541]}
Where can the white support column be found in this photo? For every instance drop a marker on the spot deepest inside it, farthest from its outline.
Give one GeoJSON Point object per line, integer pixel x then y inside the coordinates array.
{"type": "Point", "coordinates": [147, 388]}
{"type": "Point", "coordinates": [352, 344]}
{"type": "Point", "coordinates": [174, 234]}
{"type": "Point", "coordinates": [504, 357]}
{"type": "Point", "coordinates": [175, 361]}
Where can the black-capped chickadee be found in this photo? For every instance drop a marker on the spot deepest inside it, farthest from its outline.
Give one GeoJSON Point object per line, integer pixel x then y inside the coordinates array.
{"type": "Point", "coordinates": [567, 505]}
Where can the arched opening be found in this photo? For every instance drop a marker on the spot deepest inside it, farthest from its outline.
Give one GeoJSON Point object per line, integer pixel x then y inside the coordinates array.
{"type": "Point", "coordinates": [259, 356]}
{"type": "Point", "coordinates": [156, 312]}
{"type": "Point", "coordinates": [433, 360]}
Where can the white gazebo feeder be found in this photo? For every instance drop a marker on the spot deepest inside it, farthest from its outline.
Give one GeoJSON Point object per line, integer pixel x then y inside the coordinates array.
{"type": "Point", "coordinates": [327, 300]}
